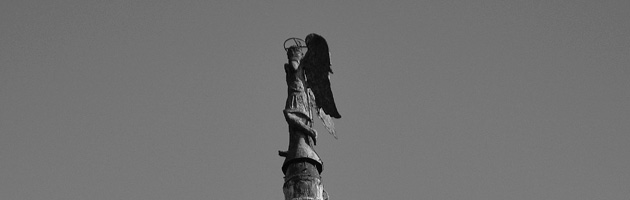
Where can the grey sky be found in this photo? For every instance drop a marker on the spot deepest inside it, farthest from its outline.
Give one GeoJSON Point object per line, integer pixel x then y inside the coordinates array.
{"type": "Point", "coordinates": [440, 99]}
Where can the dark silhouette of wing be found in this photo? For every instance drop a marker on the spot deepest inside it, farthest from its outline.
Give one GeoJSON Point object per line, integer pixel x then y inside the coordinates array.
{"type": "Point", "coordinates": [316, 64]}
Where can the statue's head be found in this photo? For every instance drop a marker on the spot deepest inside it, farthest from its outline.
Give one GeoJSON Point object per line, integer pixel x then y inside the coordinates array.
{"type": "Point", "coordinates": [294, 53]}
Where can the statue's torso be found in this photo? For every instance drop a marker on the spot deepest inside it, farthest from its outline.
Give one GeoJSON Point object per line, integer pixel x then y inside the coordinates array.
{"type": "Point", "coordinates": [298, 98]}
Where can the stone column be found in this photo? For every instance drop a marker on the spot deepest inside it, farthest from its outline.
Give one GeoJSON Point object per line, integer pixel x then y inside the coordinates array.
{"type": "Point", "coordinates": [302, 182]}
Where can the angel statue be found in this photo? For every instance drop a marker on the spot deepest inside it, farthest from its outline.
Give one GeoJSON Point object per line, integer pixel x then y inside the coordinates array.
{"type": "Point", "coordinates": [308, 84]}
{"type": "Point", "coordinates": [307, 77]}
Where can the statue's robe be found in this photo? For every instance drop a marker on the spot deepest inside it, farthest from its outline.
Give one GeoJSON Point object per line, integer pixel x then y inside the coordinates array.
{"type": "Point", "coordinates": [298, 116]}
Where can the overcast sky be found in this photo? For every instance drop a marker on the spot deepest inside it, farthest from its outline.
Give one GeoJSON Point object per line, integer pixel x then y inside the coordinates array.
{"type": "Point", "coordinates": [440, 99]}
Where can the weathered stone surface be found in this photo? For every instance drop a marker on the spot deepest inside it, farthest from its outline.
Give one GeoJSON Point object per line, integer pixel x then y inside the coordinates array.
{"type": "Point", "coordinates": [302, 181]}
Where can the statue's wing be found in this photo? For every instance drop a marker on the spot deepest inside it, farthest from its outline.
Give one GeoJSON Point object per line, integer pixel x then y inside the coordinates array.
{"type": "Point", "coordinates": [316, 64]}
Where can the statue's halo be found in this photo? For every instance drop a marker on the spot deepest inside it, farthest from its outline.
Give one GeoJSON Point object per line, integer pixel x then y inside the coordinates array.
{"type": "Point", "coordinates": [297, 42]}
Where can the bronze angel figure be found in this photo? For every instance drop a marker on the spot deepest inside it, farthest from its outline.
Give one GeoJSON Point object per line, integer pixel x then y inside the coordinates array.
{"type": "Point", "coordinates": [309, 86]}
{"type": "Point", "coordinates": [307, 77]}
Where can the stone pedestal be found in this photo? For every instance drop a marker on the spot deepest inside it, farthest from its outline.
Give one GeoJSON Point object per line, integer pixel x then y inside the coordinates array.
{"type": "Point", "coordinates": [303, 182]}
